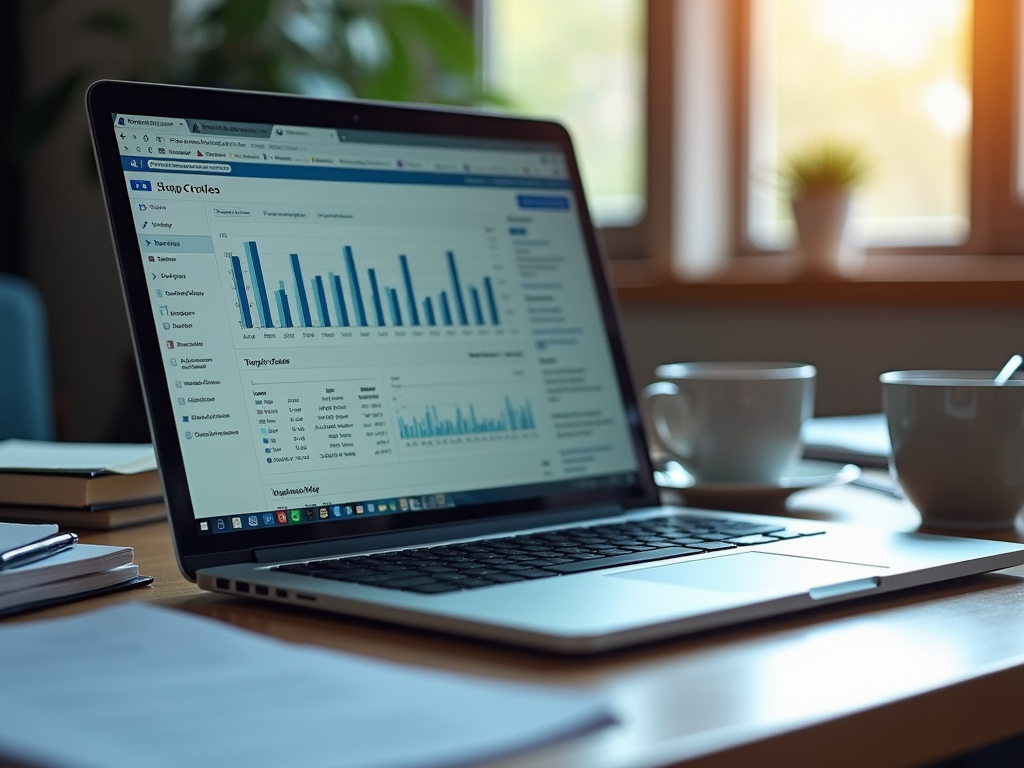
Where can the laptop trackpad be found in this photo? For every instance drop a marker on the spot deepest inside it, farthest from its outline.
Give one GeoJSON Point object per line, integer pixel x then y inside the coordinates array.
{"type": "Point", "coordinates": [761, 572]}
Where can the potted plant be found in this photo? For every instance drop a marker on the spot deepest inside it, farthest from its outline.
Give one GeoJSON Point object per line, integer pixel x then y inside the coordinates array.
{"type": "Point", "coordinates": [820, 180]}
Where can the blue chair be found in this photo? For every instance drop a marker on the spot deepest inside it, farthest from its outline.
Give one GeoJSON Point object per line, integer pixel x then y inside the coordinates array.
{"type": "Point", "coordinates": [26, 390]}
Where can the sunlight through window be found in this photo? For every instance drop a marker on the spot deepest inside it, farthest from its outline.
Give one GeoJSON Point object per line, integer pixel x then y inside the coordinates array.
{"type": "Point", "coordinates": [892, 76]}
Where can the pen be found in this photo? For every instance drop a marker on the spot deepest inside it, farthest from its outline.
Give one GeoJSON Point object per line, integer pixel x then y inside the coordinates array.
{"type": "Point", "coordinates": [37, 550]}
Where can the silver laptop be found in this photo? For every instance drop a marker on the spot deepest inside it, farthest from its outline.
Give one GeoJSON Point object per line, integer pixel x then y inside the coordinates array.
{"type": "Point", "coordinates": [385, 378]}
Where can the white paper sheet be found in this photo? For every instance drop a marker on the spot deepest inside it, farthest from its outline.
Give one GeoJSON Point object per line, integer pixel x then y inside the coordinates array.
{"type": "Point", "coordinates": [140, 685]}
{"type": "Point", "coordinates": [121, 458]}
{"type": "Point", "coordinates": [14, 535]}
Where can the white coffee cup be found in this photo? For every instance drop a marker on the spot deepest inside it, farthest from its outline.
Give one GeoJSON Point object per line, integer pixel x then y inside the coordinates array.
{"type": "Point", "coordinates": [957, 445]}
{"type": "Point", "coordinates": [731, 421]}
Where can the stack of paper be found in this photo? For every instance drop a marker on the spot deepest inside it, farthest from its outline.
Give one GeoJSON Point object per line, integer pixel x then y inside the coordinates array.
{"type": "Point", "coordinates": [139, 685]}
{"type": "Point", "coordinates": [81, 485]}
{"type": "Point", "coordinates": [83, 570]}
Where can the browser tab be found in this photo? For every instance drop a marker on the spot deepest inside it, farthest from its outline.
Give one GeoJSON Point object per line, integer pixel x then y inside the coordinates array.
{"type": "Point", "coordinates": [167, 124]}
{"type": "Point", "coordinates": [228, 128]}
{"type": "Point", "coordinates": [297, 133]}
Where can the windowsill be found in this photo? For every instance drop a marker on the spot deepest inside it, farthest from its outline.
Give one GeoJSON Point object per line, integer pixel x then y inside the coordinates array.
{"type": "Point", "coordinates": [886, 280]}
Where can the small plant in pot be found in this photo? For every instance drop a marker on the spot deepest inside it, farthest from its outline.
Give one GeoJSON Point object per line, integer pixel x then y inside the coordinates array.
{"type": "Point", "coordinates": [820, 180]}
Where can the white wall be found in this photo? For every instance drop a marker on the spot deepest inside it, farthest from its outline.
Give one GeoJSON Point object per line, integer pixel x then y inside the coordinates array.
{"type": "Point", "coordinates": [849, 346]}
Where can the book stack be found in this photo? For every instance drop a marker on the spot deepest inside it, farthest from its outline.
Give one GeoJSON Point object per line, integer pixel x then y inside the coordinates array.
{"type": "Point", "coordinates": [79, 485]}
{"type": "Point", "coordinates": [82, 570]}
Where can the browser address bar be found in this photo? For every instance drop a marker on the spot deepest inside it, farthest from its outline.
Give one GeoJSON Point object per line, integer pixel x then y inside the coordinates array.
{"type": "Point", "coordinates": [184, 165]}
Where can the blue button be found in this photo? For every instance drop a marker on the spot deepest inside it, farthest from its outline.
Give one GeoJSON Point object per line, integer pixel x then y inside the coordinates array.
{"type": "Point", "coordinates": [141, 186]}
{"type": "Point", "coordinates": [544, 202]}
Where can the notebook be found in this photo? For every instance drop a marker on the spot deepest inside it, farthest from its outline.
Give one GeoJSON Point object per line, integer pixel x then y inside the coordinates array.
{"type": "Point", "coordinates": [385, 378]}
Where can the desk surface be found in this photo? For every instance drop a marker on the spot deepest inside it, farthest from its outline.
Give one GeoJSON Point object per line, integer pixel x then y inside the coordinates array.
{"type": "Point", "coordinates": [892, 680]}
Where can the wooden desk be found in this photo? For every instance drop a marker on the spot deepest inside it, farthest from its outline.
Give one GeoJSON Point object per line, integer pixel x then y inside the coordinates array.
{"type": "Point", "coordinates": [894, 680]}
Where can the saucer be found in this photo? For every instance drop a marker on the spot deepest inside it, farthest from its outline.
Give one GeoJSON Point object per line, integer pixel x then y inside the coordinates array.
{"type": "Point", "coordinates": [753, 495]}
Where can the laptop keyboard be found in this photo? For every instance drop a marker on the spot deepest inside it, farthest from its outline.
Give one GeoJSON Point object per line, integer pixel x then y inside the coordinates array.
{"type": "Point", "coordinates": [475, 564]}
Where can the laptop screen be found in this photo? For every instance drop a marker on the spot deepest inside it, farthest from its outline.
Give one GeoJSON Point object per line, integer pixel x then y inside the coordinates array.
{"type": "Point", "coordinates": [357, 323]}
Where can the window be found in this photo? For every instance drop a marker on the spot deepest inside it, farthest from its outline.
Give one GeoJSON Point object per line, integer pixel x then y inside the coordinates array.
{"type": "Point", "coordinates": [582, 62]}
{"type": "Point", "coordinates": [889, 76]}
{"type": "Point", "coordinates": [930, 86]}
{"type": "Point", "coordinates": [955, 61]}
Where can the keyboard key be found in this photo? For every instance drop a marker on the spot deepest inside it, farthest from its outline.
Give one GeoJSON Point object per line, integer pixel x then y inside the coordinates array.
{"type": "Point", "coordinates": [436, 588]}
{"type": "Point", "coordinates": [714, 546]}
{"type": "Point", "coordinates": [757, 538]}
{"type": "Point", "coordinates": [746, 529]}
{"type": "Point", "coordinates": [537, 573]}
{"type": "Point", "coordinates": [505, 578]}
{"type": "Point", "coordinates": [421, 581]}
{"type": "Point", "coordinates": [785, 535]}
{"type": "Point", "coordinates": [472, 582]}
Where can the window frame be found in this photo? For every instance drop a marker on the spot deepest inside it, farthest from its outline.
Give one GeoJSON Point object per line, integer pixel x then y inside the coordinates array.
{"type": "Point", "coordinates": [996, 219]}
{"type": "Point", "coordinates": [996, 212]}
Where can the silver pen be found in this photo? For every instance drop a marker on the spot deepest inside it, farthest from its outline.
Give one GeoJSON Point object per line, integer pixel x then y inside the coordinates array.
{"type": "Point", "coordinates": [37, 550]}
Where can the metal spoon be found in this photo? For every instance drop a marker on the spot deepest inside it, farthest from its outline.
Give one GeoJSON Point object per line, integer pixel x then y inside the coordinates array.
{"type": "Point", "coordinates": [1008, 370]}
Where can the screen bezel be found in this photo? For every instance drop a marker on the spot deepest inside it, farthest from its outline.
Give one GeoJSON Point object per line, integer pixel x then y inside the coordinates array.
{"type": "Point", "coordinates": [106, 98]}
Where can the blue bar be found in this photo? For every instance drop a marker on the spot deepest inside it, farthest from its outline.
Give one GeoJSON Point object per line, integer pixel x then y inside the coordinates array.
{"type": "Point", "coordinates": [446, 310]}
{"type": "Point", "coordinates": [396, 312]}
{"type": "Point", "coordinates": [357, 293]}
{"type": "Point", "coordinates": [492, 305]}
{"type": "Point", "coordinates": [414, 316]}
{"type": "Point", "coordinates": [478, 314]}
{"type": "Point", "coordinates": [339, 299]}
{"type": "Point", "coordinates": [282, 305]}
{"type": "Point", "coordinates": [378, 308]}
{"type": "Point", "coordinates": [243, 297]}
{"type": "Point", "coordinates": [321, 302]}
{"type": "Point", "coordinates": [316, 173]}
{"type": "Point", "coordinates": [300, 288]}
{"type": "Point", "coordinates": [256, 275]}
{"type": "Point", "coordinates": [428, 311]}
{"type": "Point", "coordinates": [460, 305]}
{"type": "Point", "coordinates": [543, 202]}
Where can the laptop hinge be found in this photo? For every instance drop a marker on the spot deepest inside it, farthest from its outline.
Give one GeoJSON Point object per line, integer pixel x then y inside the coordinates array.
{"type": "Point", "coordinates": [420, 536]}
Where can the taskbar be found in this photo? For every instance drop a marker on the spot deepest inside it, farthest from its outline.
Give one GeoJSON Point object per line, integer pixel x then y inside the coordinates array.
{"type": "Point", "coordinates": [325, 513]}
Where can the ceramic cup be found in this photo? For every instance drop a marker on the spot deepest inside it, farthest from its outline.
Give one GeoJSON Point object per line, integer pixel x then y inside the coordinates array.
{"type": "Point", "coordinates": [731, 421]}
{"type": "Point", "coordinates": [957, 445]}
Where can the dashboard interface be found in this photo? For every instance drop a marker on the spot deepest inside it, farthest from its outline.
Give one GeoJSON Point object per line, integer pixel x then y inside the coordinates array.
{"type": "Point", "coordinates": [356, 323]}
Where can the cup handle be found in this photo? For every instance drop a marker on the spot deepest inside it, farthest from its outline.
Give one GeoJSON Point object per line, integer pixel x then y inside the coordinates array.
{"type": "Point", "coordinates": [655, 396]}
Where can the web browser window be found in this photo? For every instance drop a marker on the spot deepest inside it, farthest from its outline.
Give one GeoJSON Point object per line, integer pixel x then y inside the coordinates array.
{"type": "Point", "coordinates": [359, 323]}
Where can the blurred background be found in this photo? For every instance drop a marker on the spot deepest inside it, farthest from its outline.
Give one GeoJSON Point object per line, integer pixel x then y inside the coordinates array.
{"type": "Point", "coordinates": [681, 111]}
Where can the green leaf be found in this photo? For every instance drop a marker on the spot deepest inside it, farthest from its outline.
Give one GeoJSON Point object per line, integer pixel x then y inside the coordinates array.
{"type": "Point", "coordinates": [243, 18]}
{"type": "Point", "coordinates": [112, 23]}
{"type": "Point", "coordinates": [41, 115]}
{"type": "Point", "coordinates": [396, 80]}
{"type": "Point", "coordinates": [445, 34]}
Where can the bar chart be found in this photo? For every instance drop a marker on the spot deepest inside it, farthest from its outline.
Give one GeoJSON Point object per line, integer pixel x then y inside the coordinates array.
{"type": "Point", "coordinates": [457, 420]}
{"type": "Point", "coordinates": [351, 296]}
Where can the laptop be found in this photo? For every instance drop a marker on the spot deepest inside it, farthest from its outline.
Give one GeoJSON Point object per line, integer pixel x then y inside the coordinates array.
{"type": "Point", "coordinates": [385, 378]}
